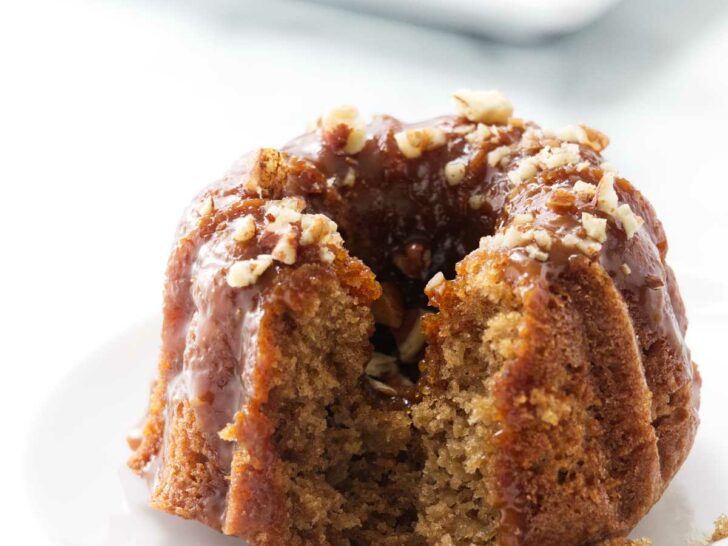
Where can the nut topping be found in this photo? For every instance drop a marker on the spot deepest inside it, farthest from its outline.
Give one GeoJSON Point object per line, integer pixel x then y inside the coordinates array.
{"type": "Point", "coordinates": [455, 171]}
{"type": "Point", "coordinates": [483, 106]}
{"type": "Point", "coordinates": [246, 272]}
{"type": "Point", "coordinates": [595, 227]}
{"type": "Point", "coordinates": [561, 201]}
{"type": "Point", "coordinates": [245, 229]}
{"type": "Point", "coordinates": [381, 365]}
{"type": "Point", "coordinates": [410, 337]}
{"type": "Point", "coordinates": [345, 128]}
{"type": "Point", "coordinates": [415, 141]}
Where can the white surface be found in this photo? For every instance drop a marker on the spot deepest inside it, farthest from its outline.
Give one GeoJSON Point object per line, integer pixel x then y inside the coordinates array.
{"type": "Point", "coordinates": [107, 507]}
{"type": "Point", "coordinates": [114, 113]}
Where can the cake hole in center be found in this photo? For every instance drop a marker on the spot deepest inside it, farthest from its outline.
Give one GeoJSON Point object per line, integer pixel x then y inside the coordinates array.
{"type": "Point", "coordinates": [399, 344]}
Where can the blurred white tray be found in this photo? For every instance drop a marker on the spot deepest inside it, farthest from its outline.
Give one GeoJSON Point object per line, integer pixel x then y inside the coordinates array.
{"type": "Point", "coordinates": [518, 20]}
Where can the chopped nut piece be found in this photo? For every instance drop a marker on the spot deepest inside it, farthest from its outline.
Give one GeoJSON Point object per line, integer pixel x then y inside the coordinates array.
{"type": "Point", "coordinates": [350, 178]}
{"type": "Point", "coordinates": [315, 227]}
{"type": "Point", "coordinates": [479, 135]}
{"type": "Point", "coordinates": [543, 239]}
{"type": "Point", "coordinates": [492, 242]}
{"type": "Point", "coordinates": [531, 137]}
{"type": "Point", "coordinates": [525, 170]}
{"type": "Point", "coordinates": [572, 133]}
{"type": "Point", "coordinates": [349, 117]}
{"type": "Point", "coordinates": [326, 255]}
{"type": "Point", "coordinates": [410, 337]}
{"type": "Point", "coordinates": [388, 309]}
{"type": "Point", "coordinates": [536, 253]}
{"type": "Point", "coordinates": [583, 134]}
{"type": "Point", "coordinates": [570, 240]}
{"type": "Point", "coordinates": [483, 106]}
{"type": "Point", "coordinates": [463, 129]}
{"type": "Point", "coordinates": [626, 269]}
{"type": "Point", "coordinates": [523, 218]}
{"type": "Point", "coordinates": [246, 272]}
{"type": "Point", "coordinates": [435, 285]}
{"type": "Point", "coordinates": [285, 249]}
{"type": "Point", "coordinates": [245, 229]}
{"type": "Point", "coordinates": [134, 438]}
{"type": "Point", "coordinates": [590, 248]}
{"type": "Point", "coordinates": [476, 201]}
{"type": "Point", "coordinates": [629, 220]}
{"type": "Point", "coordinates": [455, 171]}
{"type": "Point", "coordinates": [606, 196]}
{"type": "Point", "coordinates": [513, 237]}
{"type": "Point", "coordinates": [497, 155]}
{"type": "Point", "coordinates": [595, 227]}
{"type": "Point", "coordinates": [265, 169]}
{"type": "Point", "coordinates": [381, 365]}
{"type": "Point", "coordinates": [280, 217]}
{"type": "Point", "coordinates": [415, 141]}
{"type": "Point", "coordinates": [552, 158]}
{"type": "Point", "coordinates": [561, 201]}
{"type": "Point", "coordinates": [585, 189]}
{"type": "Point", "coordinates": [206, 207]}
{"type": "Point", "coordinates": [596, 140]}
{"type": "Point", "coordinates": [381, 388]}
{"type": "Point", "coordinates": [583, 165]}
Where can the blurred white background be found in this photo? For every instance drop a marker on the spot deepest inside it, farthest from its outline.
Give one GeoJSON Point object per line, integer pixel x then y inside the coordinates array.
{"type": "Point", "coordinates": [114, 113]}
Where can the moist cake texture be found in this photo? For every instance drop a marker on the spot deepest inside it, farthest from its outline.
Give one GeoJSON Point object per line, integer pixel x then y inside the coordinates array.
{"type": "Point", "coordinates": [456, 332]}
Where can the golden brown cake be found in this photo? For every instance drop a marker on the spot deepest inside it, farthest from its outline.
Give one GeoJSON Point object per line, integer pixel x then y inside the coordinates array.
{"type": "Point", "coordinates": [457, 332]}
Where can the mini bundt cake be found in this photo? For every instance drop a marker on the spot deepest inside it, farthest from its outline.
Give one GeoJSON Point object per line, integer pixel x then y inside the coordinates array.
{"type": "Point", "coordinates": [457, 332]}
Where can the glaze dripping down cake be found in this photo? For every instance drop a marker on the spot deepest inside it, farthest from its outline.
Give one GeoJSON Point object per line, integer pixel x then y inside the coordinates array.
{"type": "Point", "coordinates": [456, 332]}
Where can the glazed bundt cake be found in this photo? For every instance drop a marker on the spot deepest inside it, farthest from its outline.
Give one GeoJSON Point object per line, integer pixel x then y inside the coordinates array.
{"type": "Point", "coordinates": [457, 332]}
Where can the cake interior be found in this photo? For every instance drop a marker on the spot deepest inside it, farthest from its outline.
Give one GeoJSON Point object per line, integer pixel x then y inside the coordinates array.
{"type": "Point", "coordinates": [366, 463]}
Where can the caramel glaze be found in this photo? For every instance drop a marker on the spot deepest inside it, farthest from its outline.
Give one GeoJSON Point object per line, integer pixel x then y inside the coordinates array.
{"type": "Point", "coordinates": [388, 206]}
{"type": "Point", "coordinates": [396, 201]}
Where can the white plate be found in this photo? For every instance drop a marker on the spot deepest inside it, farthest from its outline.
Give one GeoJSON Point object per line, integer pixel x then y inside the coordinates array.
{"type": "Point", "coordinates": [85, 496]}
